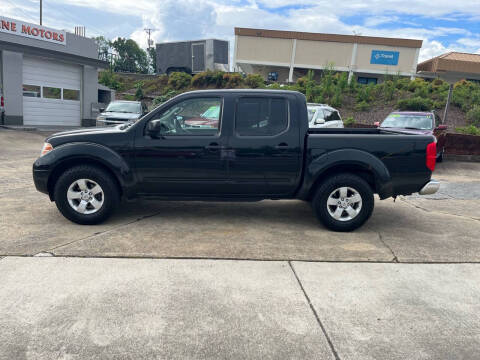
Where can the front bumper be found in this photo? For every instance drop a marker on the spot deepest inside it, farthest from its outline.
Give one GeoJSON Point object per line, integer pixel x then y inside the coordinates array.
{"type": "Point", "coordinates": [40, 179]}
{"type": "Point", "coordinates": [430, 188]}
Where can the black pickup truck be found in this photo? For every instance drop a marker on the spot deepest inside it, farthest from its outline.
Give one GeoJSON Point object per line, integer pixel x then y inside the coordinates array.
{"type": "Point", "coordinates": [233, 145]}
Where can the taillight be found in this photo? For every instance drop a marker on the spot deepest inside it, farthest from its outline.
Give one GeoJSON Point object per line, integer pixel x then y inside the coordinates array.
{"type": "Point", "coordinates": [2, 102]}
{"type": "Point", "coordinates": [431, 156]}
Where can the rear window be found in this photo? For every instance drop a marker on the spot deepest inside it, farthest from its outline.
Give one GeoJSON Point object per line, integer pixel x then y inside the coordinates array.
{"type": "Point", "coordinates": [261, 116]}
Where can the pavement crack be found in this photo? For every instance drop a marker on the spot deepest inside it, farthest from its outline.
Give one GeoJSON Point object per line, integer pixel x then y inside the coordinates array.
{"type": "Point", "coordinates": [438, 212]}
{"type": "Point", "coordinates": [97, 233]}
{"type": "Point", "coordinates": [322, 327]}
{"type": "Point", "coordinates": [395, 258]}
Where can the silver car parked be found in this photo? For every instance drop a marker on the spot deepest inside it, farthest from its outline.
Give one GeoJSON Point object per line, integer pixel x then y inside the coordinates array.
{"type": "Point", "coordinates": [323, 116]}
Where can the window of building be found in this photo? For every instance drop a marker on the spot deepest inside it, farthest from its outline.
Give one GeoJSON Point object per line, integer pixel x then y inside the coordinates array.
{"type": "Point", "coordinates": [367, 80]}
{"type": "Point", "coordinates": [52, 92]}
{"type": "Point", "coordinates": [69, 94]}
{"type": "Point", "coordinates": [261, 116]}
{"type": "Point", "coordinates": [31, 91]}
{"type": "Point", "coordinates": [198, 116]}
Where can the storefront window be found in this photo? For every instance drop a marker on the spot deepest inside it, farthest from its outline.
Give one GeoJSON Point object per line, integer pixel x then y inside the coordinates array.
{"type": "Point", "coordinates": [69, 94]}
{"type": "Point", "coordinates": [52, 93]}
{"type": "Point", "coordinates": [31, 91]}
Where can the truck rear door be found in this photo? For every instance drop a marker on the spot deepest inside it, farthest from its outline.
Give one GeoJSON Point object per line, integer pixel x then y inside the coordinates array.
{"type": "Point", "coordinates": [266, 146]}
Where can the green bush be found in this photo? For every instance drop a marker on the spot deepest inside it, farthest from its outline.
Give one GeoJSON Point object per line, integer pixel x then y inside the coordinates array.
{"type": "Point", "coordinates": [389, 90]}
{"type": "Point", "coordinates": [129, 97]}
{"type": "Point", "coordinates": [416, 83]}
{"type": "Point", "coordinates": [469, 130]}
{"type": "Point", "coordinates": [139, 90]}
{"type": "Point", "coordinates": [362, 106]}
{"type": "Point", "coordinates": [232, 80]}
{"type": "Point", "coordinates": [179, 80]}
{"type": "Point", "coordinates": [109, 79]}
{"type": "Point", "coordinates": [466, 94]}
{"type": "Point", "coordinates": [254, 81]}
{"type": "Point", "coordinates": [415, 104]}
{"type": "Point", "coordinates": [349, 121]}
{"type": "Point", "coordinates": [208, 79]}
{"type": "Point", "coordinates": [473, 115]}
{"type": "Point", "coordinates": [162, 98]}
{"type": "Point", "coordinates": [364, 94]}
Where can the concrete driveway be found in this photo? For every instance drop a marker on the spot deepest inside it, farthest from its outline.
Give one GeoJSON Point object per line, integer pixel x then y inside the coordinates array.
{"type": "Point", "coordinates": [440, 228]}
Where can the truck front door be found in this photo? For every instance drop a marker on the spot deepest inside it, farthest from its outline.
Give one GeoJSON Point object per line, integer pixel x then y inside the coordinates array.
{"type": "Point", "coordinates": [187, 157]}
{"type": "Point", "coordinates": [266, 146]}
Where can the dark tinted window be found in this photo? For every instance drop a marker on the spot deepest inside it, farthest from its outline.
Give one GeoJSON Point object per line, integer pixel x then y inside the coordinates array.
{"type": "Point", "coordinates": [331, 115]}
{"type": "Point", "coordinates": [259, 116]}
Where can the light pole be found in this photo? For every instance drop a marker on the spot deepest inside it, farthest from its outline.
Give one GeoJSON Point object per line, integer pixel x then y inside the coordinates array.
{"type": "Point", "coordinates": [40, 12]}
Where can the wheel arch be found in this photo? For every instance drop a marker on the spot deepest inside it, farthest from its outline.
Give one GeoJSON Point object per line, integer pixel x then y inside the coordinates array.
{"type": "Point", "coordinates": [354, 161]}
{"type": "Point", "coordinates": [69, 163]}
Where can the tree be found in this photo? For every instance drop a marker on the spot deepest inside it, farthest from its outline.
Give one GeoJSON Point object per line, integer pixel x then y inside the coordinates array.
{"type": "Point", "coordinates": [130, 57]}
{"type": "Point", "coordinates": [152, 57]}
{"type": "Point", "coordinates": [104, 47]}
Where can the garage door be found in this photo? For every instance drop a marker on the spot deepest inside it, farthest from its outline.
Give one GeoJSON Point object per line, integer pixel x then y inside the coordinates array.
{"type": "Point", "coordinates": [51, 93]}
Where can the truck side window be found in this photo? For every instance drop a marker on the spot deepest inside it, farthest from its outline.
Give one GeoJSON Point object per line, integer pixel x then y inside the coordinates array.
{"type": "Point", "coordinates": [261, 116]}
{"type": "Point", "coordinates": [197, 116]}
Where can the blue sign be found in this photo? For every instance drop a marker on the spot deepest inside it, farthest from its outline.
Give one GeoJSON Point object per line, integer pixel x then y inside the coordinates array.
{"type": "Point", "coordinates": [384, 57]}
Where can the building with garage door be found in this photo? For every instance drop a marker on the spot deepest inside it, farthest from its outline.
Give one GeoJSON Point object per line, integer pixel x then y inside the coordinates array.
{"type": "Point", "coordinates": [48, 76]}
{"type": "Point", "coordinates": [290, 54]}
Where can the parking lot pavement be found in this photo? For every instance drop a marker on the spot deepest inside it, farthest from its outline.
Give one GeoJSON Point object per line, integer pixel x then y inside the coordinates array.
{"type": "Point", "coordinates": [58, 308]}
{"type": "Point", "coordinates": [397, 311]}
{"type": "Point", "coordinates": [413, 229]}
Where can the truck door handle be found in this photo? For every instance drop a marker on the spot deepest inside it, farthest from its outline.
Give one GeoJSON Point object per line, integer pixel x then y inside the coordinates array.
{"type": "Point", "coordinates": [281, 146]}
{"type": "Point", "coordinates": [213, 146]}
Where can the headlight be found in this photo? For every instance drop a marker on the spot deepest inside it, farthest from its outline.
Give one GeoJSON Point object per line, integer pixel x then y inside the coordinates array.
{"type": "Point", "coordinates": [46, 148]}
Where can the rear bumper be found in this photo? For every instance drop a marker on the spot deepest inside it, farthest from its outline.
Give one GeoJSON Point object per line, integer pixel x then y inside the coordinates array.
{"type": "Point", "coordinates": [430, 188]}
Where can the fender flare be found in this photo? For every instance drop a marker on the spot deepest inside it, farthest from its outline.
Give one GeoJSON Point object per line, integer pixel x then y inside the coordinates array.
{"type": "Point", "coordinates": [89, 152]}
{"type": "Point", "coordinates": [344, 157]}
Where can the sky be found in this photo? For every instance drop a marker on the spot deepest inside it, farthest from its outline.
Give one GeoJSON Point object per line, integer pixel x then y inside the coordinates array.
{"type": "Point", "coordinates": [443, 25]}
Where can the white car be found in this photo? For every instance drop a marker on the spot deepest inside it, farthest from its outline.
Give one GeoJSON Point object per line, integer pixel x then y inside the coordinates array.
{"type": "Point", "coordinates": [323, 116]}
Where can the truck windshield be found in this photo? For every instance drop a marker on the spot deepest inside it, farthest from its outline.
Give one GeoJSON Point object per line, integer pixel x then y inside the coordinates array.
{"type": "Point", "coordinates": [311, 113]}
{"type": "Point", "coordinates": [124, 107]}
{"type": "Point", "coordinates": [421, 122]}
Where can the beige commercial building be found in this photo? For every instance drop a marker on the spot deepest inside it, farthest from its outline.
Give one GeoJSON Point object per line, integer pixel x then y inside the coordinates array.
{"type": "Point", "coordinates": [291, 54]}
{"type": "Point", "coordinates": [452, 66]}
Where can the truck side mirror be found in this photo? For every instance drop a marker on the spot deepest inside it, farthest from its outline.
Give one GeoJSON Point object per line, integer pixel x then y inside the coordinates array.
{"type": "Point", "coordinates": [441, 127]}
{"type": "Point", "coordinates": [101, 110]}
{"type": "Point", "coordinates": [376, 123]}
{"type": "Point", "coordinates": [319, 121]}
{"type": "Point", "coordinates": [155, 129]}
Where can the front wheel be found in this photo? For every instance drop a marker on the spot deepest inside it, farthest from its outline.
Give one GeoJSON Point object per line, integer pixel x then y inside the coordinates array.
{"type": "Point", "coordinates": [86, 195]}
{"type": "Point", "coordinates": [343, 202]}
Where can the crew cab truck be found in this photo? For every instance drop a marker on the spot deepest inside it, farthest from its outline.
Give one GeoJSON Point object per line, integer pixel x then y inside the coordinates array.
{"type": "Point", "coordinates": [258, 147]}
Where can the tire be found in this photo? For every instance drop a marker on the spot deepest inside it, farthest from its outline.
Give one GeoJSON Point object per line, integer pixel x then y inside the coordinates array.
{"type": "Point", "coordinates": [343, 213]}
{"type": "Point", "coordinates": [86, 194]}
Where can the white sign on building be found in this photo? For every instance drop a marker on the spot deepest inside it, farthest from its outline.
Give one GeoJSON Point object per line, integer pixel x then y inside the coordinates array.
{"type": "Point", "coordinates": [32, 31]}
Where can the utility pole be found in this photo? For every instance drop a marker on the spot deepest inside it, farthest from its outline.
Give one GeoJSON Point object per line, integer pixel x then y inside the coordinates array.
{"type": "Point", "coordinates": [40, 12]}
{"type": "Point", "coordinates": [148, 31]}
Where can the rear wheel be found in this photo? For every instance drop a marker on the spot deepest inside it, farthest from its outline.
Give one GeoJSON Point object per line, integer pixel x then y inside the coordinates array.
{"type": "Point", "coordinates": [343, 202]}
{"type": "Point", "coordinates": [86, 194]}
